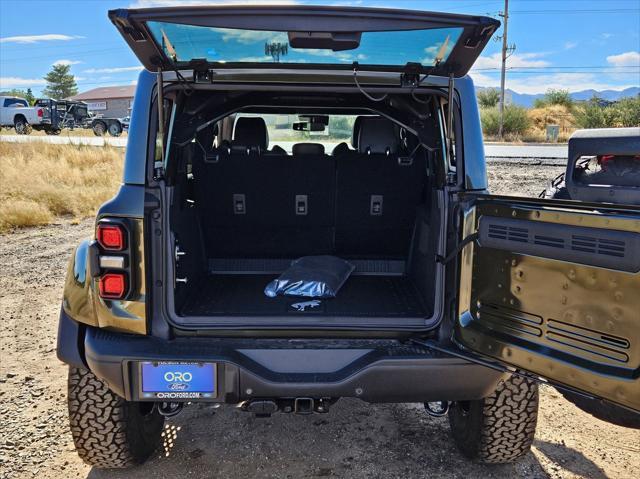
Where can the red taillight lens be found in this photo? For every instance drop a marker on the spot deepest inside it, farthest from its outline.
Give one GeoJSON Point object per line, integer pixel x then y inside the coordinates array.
{"type": "Point", "coordinates": [40, 113]}
{"type": "Point", "coordinates": [110, 237]}
{"type": "Point", "coordinates": [113, 285]}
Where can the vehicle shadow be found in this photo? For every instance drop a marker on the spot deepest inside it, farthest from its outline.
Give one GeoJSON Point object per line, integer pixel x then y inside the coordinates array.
{"type": "Point", "coordinates": [571, 460]}
{"type": "Point", "coordinates": [354, 440]}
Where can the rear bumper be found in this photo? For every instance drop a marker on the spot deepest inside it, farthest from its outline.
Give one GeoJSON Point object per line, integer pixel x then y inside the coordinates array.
{"type": "Point", "coordinates": [374, 371]}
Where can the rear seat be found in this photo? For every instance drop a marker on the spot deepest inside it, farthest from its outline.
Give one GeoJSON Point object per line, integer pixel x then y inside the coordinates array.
{"type": "Point", "coordinates": [259, 203]}
{"type": "Point", "coordinates": [377, 194]}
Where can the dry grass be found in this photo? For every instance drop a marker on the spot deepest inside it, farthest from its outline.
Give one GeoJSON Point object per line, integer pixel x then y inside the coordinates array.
{"type": "Point", "coordinates": [550, 115]}
{"type": "Point", "coordinates": [39, 182]}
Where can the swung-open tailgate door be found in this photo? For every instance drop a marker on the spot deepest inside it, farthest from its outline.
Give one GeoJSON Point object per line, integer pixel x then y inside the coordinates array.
{"type": "Point", "coordinates": [553, 287]}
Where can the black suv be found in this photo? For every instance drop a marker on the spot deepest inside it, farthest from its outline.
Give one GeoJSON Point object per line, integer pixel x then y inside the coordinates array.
{"type": "Point", "coordinates": [263, 134]}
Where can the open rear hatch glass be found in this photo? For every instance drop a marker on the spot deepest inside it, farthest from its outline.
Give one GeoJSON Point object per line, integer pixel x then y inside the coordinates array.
{"type": "Point", "coordinates": [304, 37]}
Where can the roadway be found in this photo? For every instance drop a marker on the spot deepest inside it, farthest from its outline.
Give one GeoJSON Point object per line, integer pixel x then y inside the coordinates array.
{"type": "Point", "coordinates": [492, 150]}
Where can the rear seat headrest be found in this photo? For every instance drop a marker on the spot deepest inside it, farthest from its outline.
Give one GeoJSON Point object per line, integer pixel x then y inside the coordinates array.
{"type": "Point", "coordinates": [356, 131]}
{"type": "Point", "coordinates": [308, 149]}
{"type": "Point", "coordinates": [377, 135]}
{"type": "Point", "coordinates": [250, 132]}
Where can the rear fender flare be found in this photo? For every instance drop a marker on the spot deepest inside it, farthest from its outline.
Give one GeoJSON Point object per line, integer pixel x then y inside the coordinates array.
{"type": "Point", "coordinates": [78, 295]}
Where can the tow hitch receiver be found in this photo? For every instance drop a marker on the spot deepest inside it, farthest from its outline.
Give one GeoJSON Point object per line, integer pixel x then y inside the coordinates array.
{"type": "Point", "coordinates": [301, 405]}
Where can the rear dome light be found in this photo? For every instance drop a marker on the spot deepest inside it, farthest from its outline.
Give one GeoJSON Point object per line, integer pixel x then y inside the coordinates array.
{"type": "Point", "coordinates": [110, 237]}
{"type": "Point", "coordinates": [113, 285]}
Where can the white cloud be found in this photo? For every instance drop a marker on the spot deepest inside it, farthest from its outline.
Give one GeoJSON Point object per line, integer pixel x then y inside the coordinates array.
{"type": "Point", "coordinates": [570, 45]}
{"type": "Point", "coordinates": [628, 59]}
{"type": "Point", "coordinates": [514, 61]}
{"type": "Point", "coordinates": [114, 69]}
{"type": "Point", "coordinates": [66, 62]}
{"type": "Point", "coordinates": [17, 82]}
{"type": "Point", "coordinates": [38, 38]}
{"type": "Point", "coordinates": [252, 36]}
{"type": "Point", "coordinates": [262, 59]}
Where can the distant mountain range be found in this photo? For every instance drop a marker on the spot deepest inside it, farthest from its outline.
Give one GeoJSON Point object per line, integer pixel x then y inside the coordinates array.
{"type": "Point", "coordinates": [526, 100]}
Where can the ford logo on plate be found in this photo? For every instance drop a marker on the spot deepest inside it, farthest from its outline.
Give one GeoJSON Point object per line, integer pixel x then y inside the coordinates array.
{"type": "Point", "coordinates": [178, 386]}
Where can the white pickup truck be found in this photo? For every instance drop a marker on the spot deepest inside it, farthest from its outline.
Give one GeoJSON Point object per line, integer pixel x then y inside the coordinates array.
{"type": "Point", "coordinates": [15, 112]}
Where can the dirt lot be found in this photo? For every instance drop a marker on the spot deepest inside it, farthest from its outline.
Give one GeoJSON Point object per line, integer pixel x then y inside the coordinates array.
{"type": "Point", "coordinates": [355, 440]}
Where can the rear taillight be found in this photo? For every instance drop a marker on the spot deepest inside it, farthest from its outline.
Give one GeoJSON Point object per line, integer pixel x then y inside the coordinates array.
{"type": "Point", "coordinates": [110, 237]}
{"type": "Point", "coordinates": [40, 113]}
{"type": "Point", "coordinates": [115, 269]}
{"type": "Point", "coordinates": [113, 285]}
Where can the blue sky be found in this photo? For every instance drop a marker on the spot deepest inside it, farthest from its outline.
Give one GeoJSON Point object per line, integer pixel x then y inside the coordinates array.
{"type": "Point", "coordinates": [568, 44]}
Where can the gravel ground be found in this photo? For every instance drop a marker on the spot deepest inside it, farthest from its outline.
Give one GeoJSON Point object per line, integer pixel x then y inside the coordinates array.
{"type": "Point", "coordinates": [354, 440]}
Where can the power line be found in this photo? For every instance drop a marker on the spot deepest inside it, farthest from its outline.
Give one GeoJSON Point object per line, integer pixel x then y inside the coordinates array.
{"type": "Point", "coordinates": [563, 67]}
{"type": "Point", "coordinates": [561, 72]}
{"type": "Point", "coordinates": [611, 10]}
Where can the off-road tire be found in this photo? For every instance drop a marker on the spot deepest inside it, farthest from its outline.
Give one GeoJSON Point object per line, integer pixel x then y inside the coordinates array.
{"type": "Point", "coordinates": [500, 428]}
{"type": "Point", "coordinates": [115, 129]}
{"type": "Point", "coordinates": [109, 432]}
{"type": "Point", "coordinates": [99, 128]}
{"type": "Point", "coordinates": [22, 127]}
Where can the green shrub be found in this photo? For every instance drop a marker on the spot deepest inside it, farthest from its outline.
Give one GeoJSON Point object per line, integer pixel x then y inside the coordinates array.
{"type": "Point", "coordinates": [516, 121]}
{"type": "Point", "coordinates": [627, 111]}
{"type": "Point", "coordinates": [554, 97]}
{"type": "Point", "coordinates": [488, 98]}
{"type": "Point", "coordinates": [594, 114]}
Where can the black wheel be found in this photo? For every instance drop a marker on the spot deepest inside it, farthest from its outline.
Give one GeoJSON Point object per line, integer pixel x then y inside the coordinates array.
{"type": "Point", "coordinates": [115, 129]}
{"type": "Point", "coordinates": [99, 128]}
{"type": "Point", "coordinates": [21, 126]}
{"type": "Point", "coordinates": [603, 410]}
{"type": "Point", "coordinates": [108, 431]}
{"type": "Point", "coordinates": [500, 428]}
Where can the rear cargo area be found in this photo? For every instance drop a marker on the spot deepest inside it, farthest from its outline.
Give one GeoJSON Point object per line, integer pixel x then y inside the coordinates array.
{"type": "Point", "coordinates": [248, 209]}
{"type": "Point", "coordinates": [361, 296]}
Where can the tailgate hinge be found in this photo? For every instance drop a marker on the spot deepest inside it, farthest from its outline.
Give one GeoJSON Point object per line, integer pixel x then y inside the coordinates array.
{"type": "Point", "coordinates": [410, 77]}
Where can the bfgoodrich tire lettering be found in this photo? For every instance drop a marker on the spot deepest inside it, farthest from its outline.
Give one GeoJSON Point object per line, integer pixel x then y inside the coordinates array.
{"type": "Point", "coordinates": [108, 431]}
{"type": "Point", "coordinates": [500, 428]}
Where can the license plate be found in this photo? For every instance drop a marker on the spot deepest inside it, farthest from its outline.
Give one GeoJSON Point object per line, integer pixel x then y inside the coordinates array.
{"type": "Point", "coordinates": [166, 380]}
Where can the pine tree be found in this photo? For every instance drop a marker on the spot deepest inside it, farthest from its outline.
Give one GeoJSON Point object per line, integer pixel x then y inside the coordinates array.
{"type": "Point", "coordinates": [60, 83]}
{"type": "Point", "coordinates": [29, 97]}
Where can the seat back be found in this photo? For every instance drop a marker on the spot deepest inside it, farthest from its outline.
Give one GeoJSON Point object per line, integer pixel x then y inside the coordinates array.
{"type": "Point", "coordinates": [377, 194]}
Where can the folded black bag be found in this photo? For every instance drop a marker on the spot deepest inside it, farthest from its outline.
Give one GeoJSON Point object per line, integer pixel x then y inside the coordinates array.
{"type": "Point", "coordinates": [311, 277]}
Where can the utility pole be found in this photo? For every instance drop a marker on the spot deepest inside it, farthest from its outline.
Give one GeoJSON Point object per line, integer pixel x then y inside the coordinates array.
{"type": "Point", "coordinates": [505, 51]}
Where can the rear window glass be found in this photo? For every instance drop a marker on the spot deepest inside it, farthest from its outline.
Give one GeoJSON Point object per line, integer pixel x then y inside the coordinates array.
{"type": "Point", "coordinates": [226, 45]}
{"type": "Point", "coordinates": [15, 102]}
{"type": "Point", "coordinates": [608, 170]}
{"type": "Point", "coordinates": [281, 132]}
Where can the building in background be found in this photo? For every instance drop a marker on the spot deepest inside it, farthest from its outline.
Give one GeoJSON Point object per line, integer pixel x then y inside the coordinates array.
{"type": "Point", "coordinates": [108, 101]}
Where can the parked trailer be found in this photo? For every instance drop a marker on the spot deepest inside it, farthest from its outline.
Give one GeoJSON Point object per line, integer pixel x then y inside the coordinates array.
{"type": "Point", "coordinates": [114, 126]}
{"type": "Point", "coordinates": [62, 114]}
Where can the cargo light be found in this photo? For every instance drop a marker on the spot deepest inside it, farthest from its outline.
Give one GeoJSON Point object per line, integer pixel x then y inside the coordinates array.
{"type": "Point", "coordinates": [113, 285]}
{"type": "Point", "coordinates": [110, 237]}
